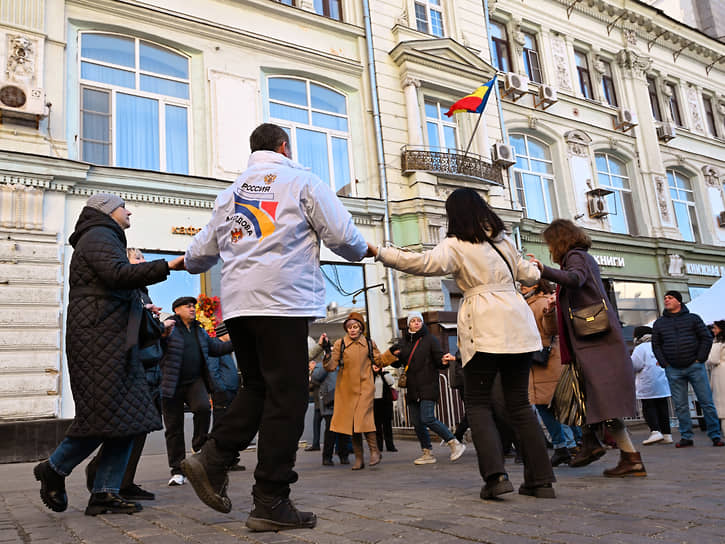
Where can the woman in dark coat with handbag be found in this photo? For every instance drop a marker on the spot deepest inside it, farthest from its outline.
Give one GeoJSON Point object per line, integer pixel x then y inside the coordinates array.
{"type": "Point", "coordinates": [112, 400]}
{"type": "Point", "coordinates": [606, 367]}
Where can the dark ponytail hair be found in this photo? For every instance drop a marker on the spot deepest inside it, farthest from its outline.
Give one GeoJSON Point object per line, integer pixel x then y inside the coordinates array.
{"type": "Point", "coordinates": [720, 325]}
{"type": "Point", "coordinates": [470, 219]}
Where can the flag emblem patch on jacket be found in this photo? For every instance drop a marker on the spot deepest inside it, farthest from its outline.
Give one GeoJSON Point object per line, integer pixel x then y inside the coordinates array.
{"type": "Point", "coordinates": [261, 214]}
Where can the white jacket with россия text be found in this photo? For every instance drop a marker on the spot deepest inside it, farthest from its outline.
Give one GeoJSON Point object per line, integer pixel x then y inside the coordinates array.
{"type": "Point", "coordinates": [267, 227]}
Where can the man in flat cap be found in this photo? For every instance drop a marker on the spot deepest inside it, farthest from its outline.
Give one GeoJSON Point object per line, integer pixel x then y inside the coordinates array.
{"type": "Point", "coordinates": [185, 379]}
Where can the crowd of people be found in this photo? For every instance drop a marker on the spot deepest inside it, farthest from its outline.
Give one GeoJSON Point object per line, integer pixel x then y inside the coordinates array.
{"type": "Point", "coordinates": [518, 338]}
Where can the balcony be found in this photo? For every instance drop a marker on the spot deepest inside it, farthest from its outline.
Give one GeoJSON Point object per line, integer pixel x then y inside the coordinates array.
{"type": "Point", "coordinates": [449, 163]}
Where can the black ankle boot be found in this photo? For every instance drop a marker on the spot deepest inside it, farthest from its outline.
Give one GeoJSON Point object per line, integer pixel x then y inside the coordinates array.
{"type": "Point", "coordinates": [52, 487]}
{"type": "Point", "coordinates": [207, 472]}
{"type": "Point", "coordinates": [278, 514]}
{"type": "Point", "coordinates": [561, 455]}
{"type": "Point", "coordinates": [496, 485]}
{"type": "Point", "coordinates": [110, 503]}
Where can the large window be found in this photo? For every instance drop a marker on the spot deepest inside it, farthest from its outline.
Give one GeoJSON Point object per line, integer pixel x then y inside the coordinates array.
{"type": "Point", "coordinates": [534, 177]}
{"type": "Point", "coordinates": [654, 101]}
{"type": "Point", "coordinates": [674, 105]}
{"type": "Point", "coordinates": [500, 53]}
{"type": "Point", "coordinates": [316, 118]}
{"type": "Point", "coordinates": [636, 302]}
{"type": "Point", "coordinates": [329, 8]}
{"type": "Point", "coordinates": [429, 17]}
{"type": "Point", "coordinates": [441, 131]}
{"type": "Point", "coordinates": [612, 175]}
{"type": "Point", "coordinates": [683, 200]}
{"type": "Point", "coordinates": [608, 92]}
{"type": "Point", "coordinates": [134, 104]}
{"type": "Point", "coordinates": [582, 70]}
{"type": "Point", "coordinates": [531, 58]}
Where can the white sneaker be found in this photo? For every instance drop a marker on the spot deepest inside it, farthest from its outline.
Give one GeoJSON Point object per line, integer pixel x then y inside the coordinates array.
{"type": "Point", "coordinates": [667, 439]}
{"type": "Point", "coordinates": [425, 459]}
{"type": "Point", "coordinates": [655, 436]}
{"type": "Point", "coordinates": [177, 479]}
{"type": "Point", "coordinates": [457, 448]}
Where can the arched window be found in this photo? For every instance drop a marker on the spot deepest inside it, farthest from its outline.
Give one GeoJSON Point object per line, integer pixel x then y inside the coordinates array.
{"type": "Point", "coordinates": [612, 175]}
{"type": "Point", "coordinates": [534, 177]}
{"type": "Point", "coordinates": [683, 200]}
{"type": "Point", "coordinates": [135, 104]}
{"type": "Point", "coordinates": [316, 119]}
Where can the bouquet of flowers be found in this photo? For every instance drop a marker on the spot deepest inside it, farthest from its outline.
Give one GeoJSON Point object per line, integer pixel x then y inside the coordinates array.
{"type": "Point", "coordinates": [208, 313]}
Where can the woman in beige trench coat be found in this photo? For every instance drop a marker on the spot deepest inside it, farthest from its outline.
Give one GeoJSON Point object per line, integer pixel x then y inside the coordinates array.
{"type": "Point", "coordinates": [355, 390]}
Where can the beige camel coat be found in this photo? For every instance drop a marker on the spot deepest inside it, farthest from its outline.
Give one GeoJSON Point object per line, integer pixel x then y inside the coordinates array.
{"type": "Point", "coordinates": [355, 389]}
{"type": "Point", "coordinates": [543, 380]}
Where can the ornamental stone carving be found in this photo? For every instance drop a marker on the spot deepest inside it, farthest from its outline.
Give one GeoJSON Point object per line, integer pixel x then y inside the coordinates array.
{"type": "Point", "coordinates": [661, 187]}
{"type": "Point", "coordinates": [577, 143]}
{"type": "Point", "coordinates": [533, 120]}
{"type": "Point", "coordinates": [633, 63]}
{"type": "Point", "coordinates": [402, 19]}
{"type": "Point", "coordinates": [630, 38]}
{"type": "Point", "coordinates": [21, 58]}
{"type": "Point", "coordinates": [712, 176]}
{"type": "Point", "coordinates": [561, 63]}
{"type": "Point", "coordinates": [675, 265]}
{"type": "Point", "coordinates": [694, 107]}
{"type": "Point", "coordinates": [411, 81]}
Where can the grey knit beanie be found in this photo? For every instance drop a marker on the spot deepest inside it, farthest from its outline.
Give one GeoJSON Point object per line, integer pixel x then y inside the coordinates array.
{"type": "Point", "coordinates": [411, 315]}
{"type": "Point", "coordinates": [105, 202]}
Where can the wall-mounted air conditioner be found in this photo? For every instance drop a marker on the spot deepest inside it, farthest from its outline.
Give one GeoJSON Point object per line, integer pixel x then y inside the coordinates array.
{"type": "Point", "coordinates": [626, 119]}
{"type": "Point", "coordinates": [547, 97]}
{"type": "Point", "coordinates": [666, 132]}
{"type": "Point", "coordinates": [18, 98]}
{"type": "Point", "coordinates": [721, 220]}
{"type": "Point", "coordinates": [597, 203]}
{"type": "Point", "coordinates": [515, 85]}
{"type": "Point", "coordinates": [503, 154]}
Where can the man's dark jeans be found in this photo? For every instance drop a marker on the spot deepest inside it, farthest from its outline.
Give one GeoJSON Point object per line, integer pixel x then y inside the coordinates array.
{"type": "Point", "coordinates": [197, 397]}
{"type": "Point", "coordinates": [272, 357]}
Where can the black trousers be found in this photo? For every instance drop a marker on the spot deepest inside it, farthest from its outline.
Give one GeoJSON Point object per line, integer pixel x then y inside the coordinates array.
{"type": "Point", "coordinates": [383, 412]}
{"type": "Point", "coordinates": [272, 357]}
{"type": "Point", "coordinates": [479, 375]}
{"type": "Point", "coordinates": [657, 414]}
{"type": "Point", "coordinates": [197, 397]}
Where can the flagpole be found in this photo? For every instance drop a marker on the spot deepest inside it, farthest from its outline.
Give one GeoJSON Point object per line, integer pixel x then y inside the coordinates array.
{"type": "Point", "coordinates": [470, 141]}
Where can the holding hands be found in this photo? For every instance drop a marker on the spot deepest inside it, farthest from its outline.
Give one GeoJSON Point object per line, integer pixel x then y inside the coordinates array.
{"type": "Point", "coordinates": [447, 358]}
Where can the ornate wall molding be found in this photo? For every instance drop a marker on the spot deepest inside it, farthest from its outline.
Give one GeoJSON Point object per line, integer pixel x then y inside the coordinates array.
{"type": "Point", "coordinates": [561, 63]}
{"type": "Point", "coordinates": [661, 187]}
{"type": "Point", "coordinates": [21, 207]}
{"type": "Point", "coordinates": [577, 143]}
{"type": "Point", "coordinates": [634, 64]}
{"type": "Point", "coordinates": [712, 176]}
{"type": "Point", "coordinates": [693, 105]}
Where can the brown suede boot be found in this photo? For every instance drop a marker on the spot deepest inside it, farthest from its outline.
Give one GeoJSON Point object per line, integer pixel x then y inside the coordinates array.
{"type": "Point", "coordinates": [357, 449]}
{"type": "Point", "coordinates": [375, 456]}
{"type": "Point", "coordinates": [630, 464]}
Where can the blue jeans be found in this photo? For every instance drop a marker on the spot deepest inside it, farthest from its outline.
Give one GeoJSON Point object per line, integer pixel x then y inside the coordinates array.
{"type": "Point", "coordinates": [422, 415]}
{"type": "Point", "coordinates": [111, 463]}
{"type": "Point", "coordinates": [561, 435]}
{"type": "Point", "coordinates": [696, 375]}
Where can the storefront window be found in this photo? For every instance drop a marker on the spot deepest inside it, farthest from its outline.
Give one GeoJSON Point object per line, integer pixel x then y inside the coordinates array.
{"type": "Point", "coordinates": [636, 302]}
{"type": "Point", "coordinates": [343, 294]}
{"type": "Point", "coordinates": [178, 284]}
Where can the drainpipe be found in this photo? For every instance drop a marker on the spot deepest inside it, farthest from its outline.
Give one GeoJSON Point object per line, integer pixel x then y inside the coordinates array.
{"type": "Point", "coordinates": [392, 287]}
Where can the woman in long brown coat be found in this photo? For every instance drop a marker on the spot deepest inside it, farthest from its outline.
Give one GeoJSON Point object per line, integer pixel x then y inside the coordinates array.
{"type": "Point", "coordinates": [355, 389]}
{"type": "Point", "coordinates": [544, 377]}
{"type": "Point", "coordinates": [606, 368]}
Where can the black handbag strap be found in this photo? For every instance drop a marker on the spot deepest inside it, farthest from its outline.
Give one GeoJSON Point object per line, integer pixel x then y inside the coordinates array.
{"type": "Point", "coordinates": [511, 271]}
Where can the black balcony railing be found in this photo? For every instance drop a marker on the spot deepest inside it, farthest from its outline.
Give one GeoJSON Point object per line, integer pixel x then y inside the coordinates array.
{"type": "Point", "coordinates": [450, 162]}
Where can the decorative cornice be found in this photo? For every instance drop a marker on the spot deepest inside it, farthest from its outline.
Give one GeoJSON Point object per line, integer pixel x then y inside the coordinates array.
{"type": "Point", "coordinates": [635, 63]}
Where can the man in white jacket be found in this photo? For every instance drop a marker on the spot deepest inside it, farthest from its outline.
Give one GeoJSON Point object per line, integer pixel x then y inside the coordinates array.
{"type": "Point", "coordinates": [267, 229]}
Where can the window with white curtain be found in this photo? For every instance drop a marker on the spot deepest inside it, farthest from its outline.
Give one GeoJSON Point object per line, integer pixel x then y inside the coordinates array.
{"type": "Point", "coordinates": [135, 104]}
{"type": "Point", "coordinates": [429, 17]}
{"type": "Point", "coordinates": [612, 175]}
{"type": "Point", "coordinates": [441, 131]}
{"type": "Point", "coordinates": [534, 177]}
{"type": "Point", "coordinates": [683, 200]}
{"type": "Point", "coordinates": [316, 118]}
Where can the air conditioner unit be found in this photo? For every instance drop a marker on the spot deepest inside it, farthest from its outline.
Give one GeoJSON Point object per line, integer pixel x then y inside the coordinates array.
{"type": "Point", "coordinates": [626, 119]}
{"type": "Point", "coordinates": [721, 219]}
{"type": "Point", "coordinates": [597, 203]}
{"type": "Point", "coordinates": [17, 98]}
{"type": "Point", "coordinates": [503, 154]}
{"type": "Point", "coordinates": [666, 132]}
{"type": "Point", "coordinates": [547, 97]}
{"type": "Point", "coordinates": [515, 85]}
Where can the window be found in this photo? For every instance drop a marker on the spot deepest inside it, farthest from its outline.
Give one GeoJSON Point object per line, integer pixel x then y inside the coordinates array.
{"type": "Point", "coordinates": [654, 101]}
{"type": "Point", "coordinates": [441, 131]}
{"type": "Point", "coordinates": [582, 69]}
{"type": "Point", "coordinates": [329, 8]}
{"type": "Point", "coordinates": [683, 200]}
{"type": "Point", "coordinates": [674, 105]}
{"type": "Point", "coordinates": [612, 175]}
{"type": "Point", "coordinates": [316, 120]}
{"type": "Point", "coordinates": [429, 17]}
{"type": "Point", "coordinates": [500, 53]}
{"type": "Point", "coordinates": [610, 96]}
{"type": "Point", "coordinates": [531, 58]}
{"type": "Point", "coordinates": [636, 303]}
{"type": "Point", "coordinates": [134, 104]}
{"type": "Point", "coordinates": [710, 115]}
{"type": "Point", "coordinates": [534, 177]}
{"type": "Point", "coordinates": [287, 2]}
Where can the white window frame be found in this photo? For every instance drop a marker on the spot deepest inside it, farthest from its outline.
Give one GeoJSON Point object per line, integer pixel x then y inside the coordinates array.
{"type": "Point", "coordinates": [544, 178]}
{"type": "Point", "coordinates": [430, 5]}
{"type": "Point", "coordinates": [163, 100]}
{"type": "Point", "coordinates": [292, 126]}
{"type": "Point", "coordinates": [691, 206]}
{"type": "Point", "coordinates": [603, 176]}
{"type": "Point", "coordinates": [440, 122]}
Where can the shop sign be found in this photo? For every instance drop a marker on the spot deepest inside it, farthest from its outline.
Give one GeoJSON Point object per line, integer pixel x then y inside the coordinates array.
{"type": "Point", "coordinates": [697, 269]}
{"type": "Point", "coordinates": [188, 231]}
{"type": "Point", "coordinates": [609, 260]}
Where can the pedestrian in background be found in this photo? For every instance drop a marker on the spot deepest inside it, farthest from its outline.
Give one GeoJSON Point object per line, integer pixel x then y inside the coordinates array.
{"type": "Point", "coordinates": [716, 362]}
{"type": "Point", "coordinates": [113, 403]}
{"type": "Point", "coordinates": [652, 386]}
{"type": "Point", "coordinates": [496, 334]}
{"type": "Point", "coordinates": [383, 408]}
{"type": "Point", "coordinates": [314, 349]}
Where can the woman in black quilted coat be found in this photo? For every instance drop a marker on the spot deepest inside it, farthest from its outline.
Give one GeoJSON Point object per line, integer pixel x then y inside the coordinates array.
{"type": "Point", "coordinates": [113, 403]}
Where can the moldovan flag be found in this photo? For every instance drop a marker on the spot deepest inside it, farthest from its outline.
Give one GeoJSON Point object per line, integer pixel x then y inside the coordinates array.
{"type": "Point", "coordinates": [474, 102]}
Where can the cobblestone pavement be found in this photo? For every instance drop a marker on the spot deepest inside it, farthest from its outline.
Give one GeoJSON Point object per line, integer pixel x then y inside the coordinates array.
{"type": "Point", "coordinates": [682, 500]}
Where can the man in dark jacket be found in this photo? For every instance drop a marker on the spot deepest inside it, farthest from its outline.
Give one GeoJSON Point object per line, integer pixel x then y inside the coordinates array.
{"type": "Point", "coordinates": [185, 379]}
{"type": "Point", "coordinates": [681, 342]}
{"type": "Point", "coordinates": [112, 401]}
